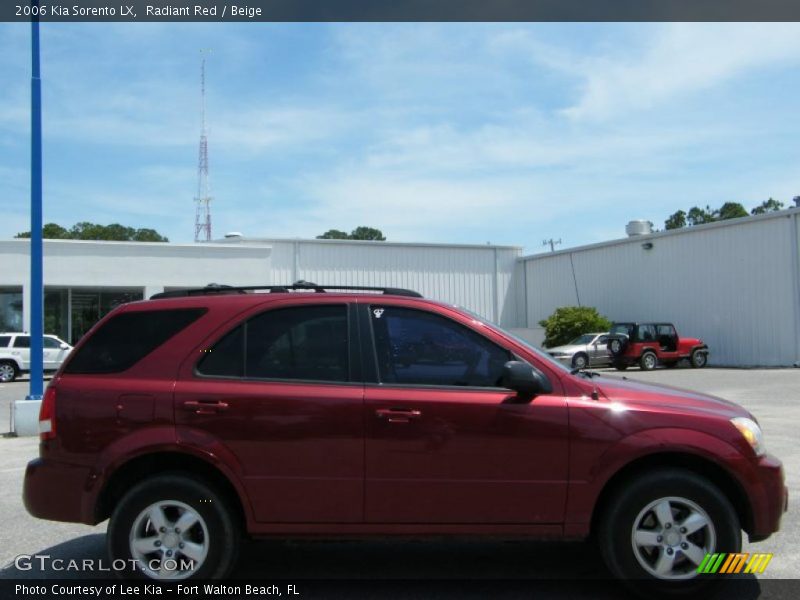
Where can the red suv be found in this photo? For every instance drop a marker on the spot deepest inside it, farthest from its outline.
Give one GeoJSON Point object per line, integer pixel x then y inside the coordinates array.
{"type": "Point", "coordinates": [199, 417]}
{"type": "Point", "coordinates": [648, 344]}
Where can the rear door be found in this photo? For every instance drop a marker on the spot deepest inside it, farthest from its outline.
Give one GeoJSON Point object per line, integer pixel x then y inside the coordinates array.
{"type": "Point", "coordinates": [21, 350]}
{"type": "Point", "coordinates": [279, 395]}
{"type": "Point", "coordinates": [446, 444]}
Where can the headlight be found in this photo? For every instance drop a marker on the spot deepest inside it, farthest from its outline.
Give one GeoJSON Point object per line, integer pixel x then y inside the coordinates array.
{"type": "Point", "coordinates": [752, 433]}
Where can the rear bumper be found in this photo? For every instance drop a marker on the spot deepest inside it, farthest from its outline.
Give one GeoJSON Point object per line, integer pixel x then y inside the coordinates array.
{"type": "Point", "coordinates": [769, 499]}
{"type": "Point", "coordinates": [57, 491]}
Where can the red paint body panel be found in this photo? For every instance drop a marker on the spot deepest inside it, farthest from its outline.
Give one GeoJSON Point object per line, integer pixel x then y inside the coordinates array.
{"type": "Point", "coordinates": [318, 459]}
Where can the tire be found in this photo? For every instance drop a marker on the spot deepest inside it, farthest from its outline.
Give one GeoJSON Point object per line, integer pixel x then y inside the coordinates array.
{"type": "Point", "coordinates": [580, 361]}
{"type": "Point", "coordinates": [698, 359]}
{"type": "Point", "coordinates": [648, 361]}
{"type": "Point", "coordinates": [617, 345]}
{"type": "Point", "coordinates": [647, 514]}
{"type": "Point", "coordinates": [620, 366]}
{"type": "Point", "coordinates": [8, 371]}
{"type": "Point", "coordinates": [213, 537]}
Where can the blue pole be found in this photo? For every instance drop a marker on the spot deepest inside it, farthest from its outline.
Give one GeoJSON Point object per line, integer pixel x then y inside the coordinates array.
{"type": "Point", "coordinates": [37, 284]}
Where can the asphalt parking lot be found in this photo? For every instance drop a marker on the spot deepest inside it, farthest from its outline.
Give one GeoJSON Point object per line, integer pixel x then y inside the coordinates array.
{"type": "Point", "coordinates": [773, 395]}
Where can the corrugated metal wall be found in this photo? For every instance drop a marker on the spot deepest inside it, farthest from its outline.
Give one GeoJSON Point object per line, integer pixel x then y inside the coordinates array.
{"type": "Point", "coordinates": [733, 284]}
{"type": "Point", "coordinates": [481, 279]}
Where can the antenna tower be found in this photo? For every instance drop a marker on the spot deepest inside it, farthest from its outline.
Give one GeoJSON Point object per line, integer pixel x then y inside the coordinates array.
{"type": "Point", "coordinates": [202, 218]}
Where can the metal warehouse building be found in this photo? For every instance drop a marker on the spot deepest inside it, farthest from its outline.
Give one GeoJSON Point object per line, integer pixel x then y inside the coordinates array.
{"type": "Point", "coordinates": [735, 283]}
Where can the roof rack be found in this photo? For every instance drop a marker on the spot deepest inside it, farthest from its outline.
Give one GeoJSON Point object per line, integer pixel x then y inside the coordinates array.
{"type": "Point", "coordinates": [216, 288]}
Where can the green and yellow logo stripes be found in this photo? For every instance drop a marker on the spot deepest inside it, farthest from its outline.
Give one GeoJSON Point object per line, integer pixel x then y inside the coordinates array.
{"type": "Point", "coordinates": [734, 563]}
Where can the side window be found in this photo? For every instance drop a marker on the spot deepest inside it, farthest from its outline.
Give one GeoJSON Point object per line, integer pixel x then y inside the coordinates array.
{"type": "Point", "coordinates": [647, 333]}
{"type": "Point", "coordinates": [308, 343]}
{"type": "Point", "coordinates": [666, 330]}
{"type": "Point", "coordinates": [416, 347]}
{"type": "Point", "coordinates": [602, 340]}
{"type": "Point", "coordinates": [4, 340]}
{"type": "Point", "coordinates": [22, 341]}
{"type": "Point", "coordinates": [128, 337]}
{"type": "Point", "coordinates": [50, 343]}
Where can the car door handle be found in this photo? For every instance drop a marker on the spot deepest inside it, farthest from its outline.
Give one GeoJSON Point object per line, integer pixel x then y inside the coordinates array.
{"type": "Point", "coordinates": [205, 407]}
{"type": "Point", "coordinates": [398, 415]}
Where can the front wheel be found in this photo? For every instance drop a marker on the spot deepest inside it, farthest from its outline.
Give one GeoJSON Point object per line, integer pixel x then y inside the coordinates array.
{"type": "Point", "coordinates": [698, 359]}
{"type": "Point", "coordinates": [173, 528]}
{"type": "Point", "coordinates": [660, 527]}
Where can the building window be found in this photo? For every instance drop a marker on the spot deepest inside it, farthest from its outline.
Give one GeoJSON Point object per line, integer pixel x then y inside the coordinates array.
{"type": "Point", "coordinates": [56, 313]}
{"type": "Point", "coordinates": [10, 309]}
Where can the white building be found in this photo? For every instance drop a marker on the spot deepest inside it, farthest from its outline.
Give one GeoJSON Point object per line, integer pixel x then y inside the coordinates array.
{"type": "Point", "coordinates": [735, 283]}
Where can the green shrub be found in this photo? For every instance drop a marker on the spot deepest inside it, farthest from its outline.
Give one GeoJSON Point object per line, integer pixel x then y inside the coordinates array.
{"type": "Point", "coordinates": [568, 322]}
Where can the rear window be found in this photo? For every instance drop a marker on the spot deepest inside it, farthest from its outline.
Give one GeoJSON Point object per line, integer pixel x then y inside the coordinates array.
{"type": "Point", "coordinates": [4, 339]}
{"type": "Point", "coordinates": [128, 337]}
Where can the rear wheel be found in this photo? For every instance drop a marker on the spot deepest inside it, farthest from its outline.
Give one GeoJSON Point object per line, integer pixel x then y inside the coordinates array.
{"type": "Point", "coordinates": [648, 361]}
{"type": "Point", "coordinates": [699, 358]}
{"type": "Point", "coordinates": [659, 528]}
{"type": "Point", "coordinates": [580, 360]}
{"type": "Point", "coordinates": [8, 371]}
{"type": "Point", "coordinates": [174, 528]}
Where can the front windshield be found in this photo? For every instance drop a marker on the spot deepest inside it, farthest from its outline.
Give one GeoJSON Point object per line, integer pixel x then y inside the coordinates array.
{"type": "Point", "coordinates": [622, 329]}
{"type": "Point", "coordinates": [582, 340]}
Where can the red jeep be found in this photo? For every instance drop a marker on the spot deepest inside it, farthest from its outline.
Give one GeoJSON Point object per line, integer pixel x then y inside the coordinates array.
{"type": "Point", "coordinates": [648, 344]}
{"type": "Point", "coordinates": [201, 417]}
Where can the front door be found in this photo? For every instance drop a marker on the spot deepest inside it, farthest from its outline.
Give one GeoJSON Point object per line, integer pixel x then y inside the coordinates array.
{"type": "Point", "coordinates": [277, 396]}
{"type": "Point", "coordinates": [445, 443]}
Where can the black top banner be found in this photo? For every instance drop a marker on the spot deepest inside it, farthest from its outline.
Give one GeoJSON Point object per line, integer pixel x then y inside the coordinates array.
{"type": "Point", "coordinates": [399, 10]}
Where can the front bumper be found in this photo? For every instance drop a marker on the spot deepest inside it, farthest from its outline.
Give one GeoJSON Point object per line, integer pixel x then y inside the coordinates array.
{"type": "Point", "coordinates": [56, 491]}
{"type": "Point", "coordinates": [769, 500]}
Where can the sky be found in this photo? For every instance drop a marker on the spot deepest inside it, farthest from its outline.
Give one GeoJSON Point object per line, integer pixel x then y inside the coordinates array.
{"type": "Point", "coordinates": [454, 133]}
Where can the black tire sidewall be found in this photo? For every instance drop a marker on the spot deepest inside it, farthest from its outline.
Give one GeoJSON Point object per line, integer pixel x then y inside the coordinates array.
{"type": "Point", "coordinates": [617, 524]}
{"type": "Point", "coordinates": [223, 532]}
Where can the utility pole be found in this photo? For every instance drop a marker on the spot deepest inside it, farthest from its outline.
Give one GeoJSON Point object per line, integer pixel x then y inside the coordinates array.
{"type": "Point", "coordinates": [552, 243]}
{"type": "Point", "coordinates": [202, 216]}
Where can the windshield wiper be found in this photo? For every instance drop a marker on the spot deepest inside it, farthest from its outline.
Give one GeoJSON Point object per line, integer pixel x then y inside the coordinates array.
{"type": "Point", "coordinates": [585, 372]}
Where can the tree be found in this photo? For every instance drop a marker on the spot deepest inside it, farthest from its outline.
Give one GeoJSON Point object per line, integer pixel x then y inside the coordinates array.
{"type": "Point", "coordinates": [359, 233]}
{"type": "Point", "coordinates": [92, 231]}
{"type": "Point", "coordinates": [770, 205]}
{"type": "Point", "coordinates": [698, 216]}
{"type": "Point", "coordinates": [334, 234]}
{"type": "Point", "coordinates": [367, 233]}
{"type": "Point", "coordinates": [568, 322]}
{"type": "Point", "coordinates": [676, 220]}
{"type": "Point", "coordinates": [730, 210]}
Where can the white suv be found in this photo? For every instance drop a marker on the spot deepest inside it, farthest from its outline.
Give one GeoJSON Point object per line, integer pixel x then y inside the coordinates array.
{"type": "Point", "coordinates": [15, 354]}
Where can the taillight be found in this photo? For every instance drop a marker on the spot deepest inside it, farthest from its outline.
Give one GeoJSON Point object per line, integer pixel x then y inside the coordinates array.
{"type": "Point", "coordinates": [47, 415]}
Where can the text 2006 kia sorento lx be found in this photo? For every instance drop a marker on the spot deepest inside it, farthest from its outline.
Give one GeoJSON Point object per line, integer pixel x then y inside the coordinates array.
{"type": "Point", "coordinates": [198, 417]}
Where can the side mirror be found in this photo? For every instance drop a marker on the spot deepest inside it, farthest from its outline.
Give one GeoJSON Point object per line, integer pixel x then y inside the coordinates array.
{"type": "Point", "coordinates": [524, 379]}
{"type": "Point", "coordinates": [64, 346]}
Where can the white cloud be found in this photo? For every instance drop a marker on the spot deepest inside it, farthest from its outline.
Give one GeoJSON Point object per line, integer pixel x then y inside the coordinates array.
{"type": "Point", "coordinates": [680, 59]}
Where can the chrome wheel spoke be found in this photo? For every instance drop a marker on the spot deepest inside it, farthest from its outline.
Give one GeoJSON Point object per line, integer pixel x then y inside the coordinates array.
{"type": "Point", "coordinates": [193, 551]}
{"type": "Point", "coordinates": [186, 521]}
{"type": "Point", "coordinates": [665, 563]}
{"type": "Point", "coordinates": [663, 511]}
{"type": "Point", "coordinates": [157, 517]}
{"type": "Point", "coordinates": [694, 522]}
{"type": "Point", "coordinates": [694, 553]}
{"type": "Point", "coordinates": [146, 545]}
{"type": "Point", "coordinates": [644, 537]}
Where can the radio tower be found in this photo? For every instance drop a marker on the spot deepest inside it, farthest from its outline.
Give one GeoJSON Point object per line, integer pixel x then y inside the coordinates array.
{"type": "Point", "coordinates": [202, 218]}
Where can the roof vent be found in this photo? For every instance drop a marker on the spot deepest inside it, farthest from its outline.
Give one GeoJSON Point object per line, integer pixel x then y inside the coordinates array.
{"type": "Point", "coordinates": [638, 227]}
